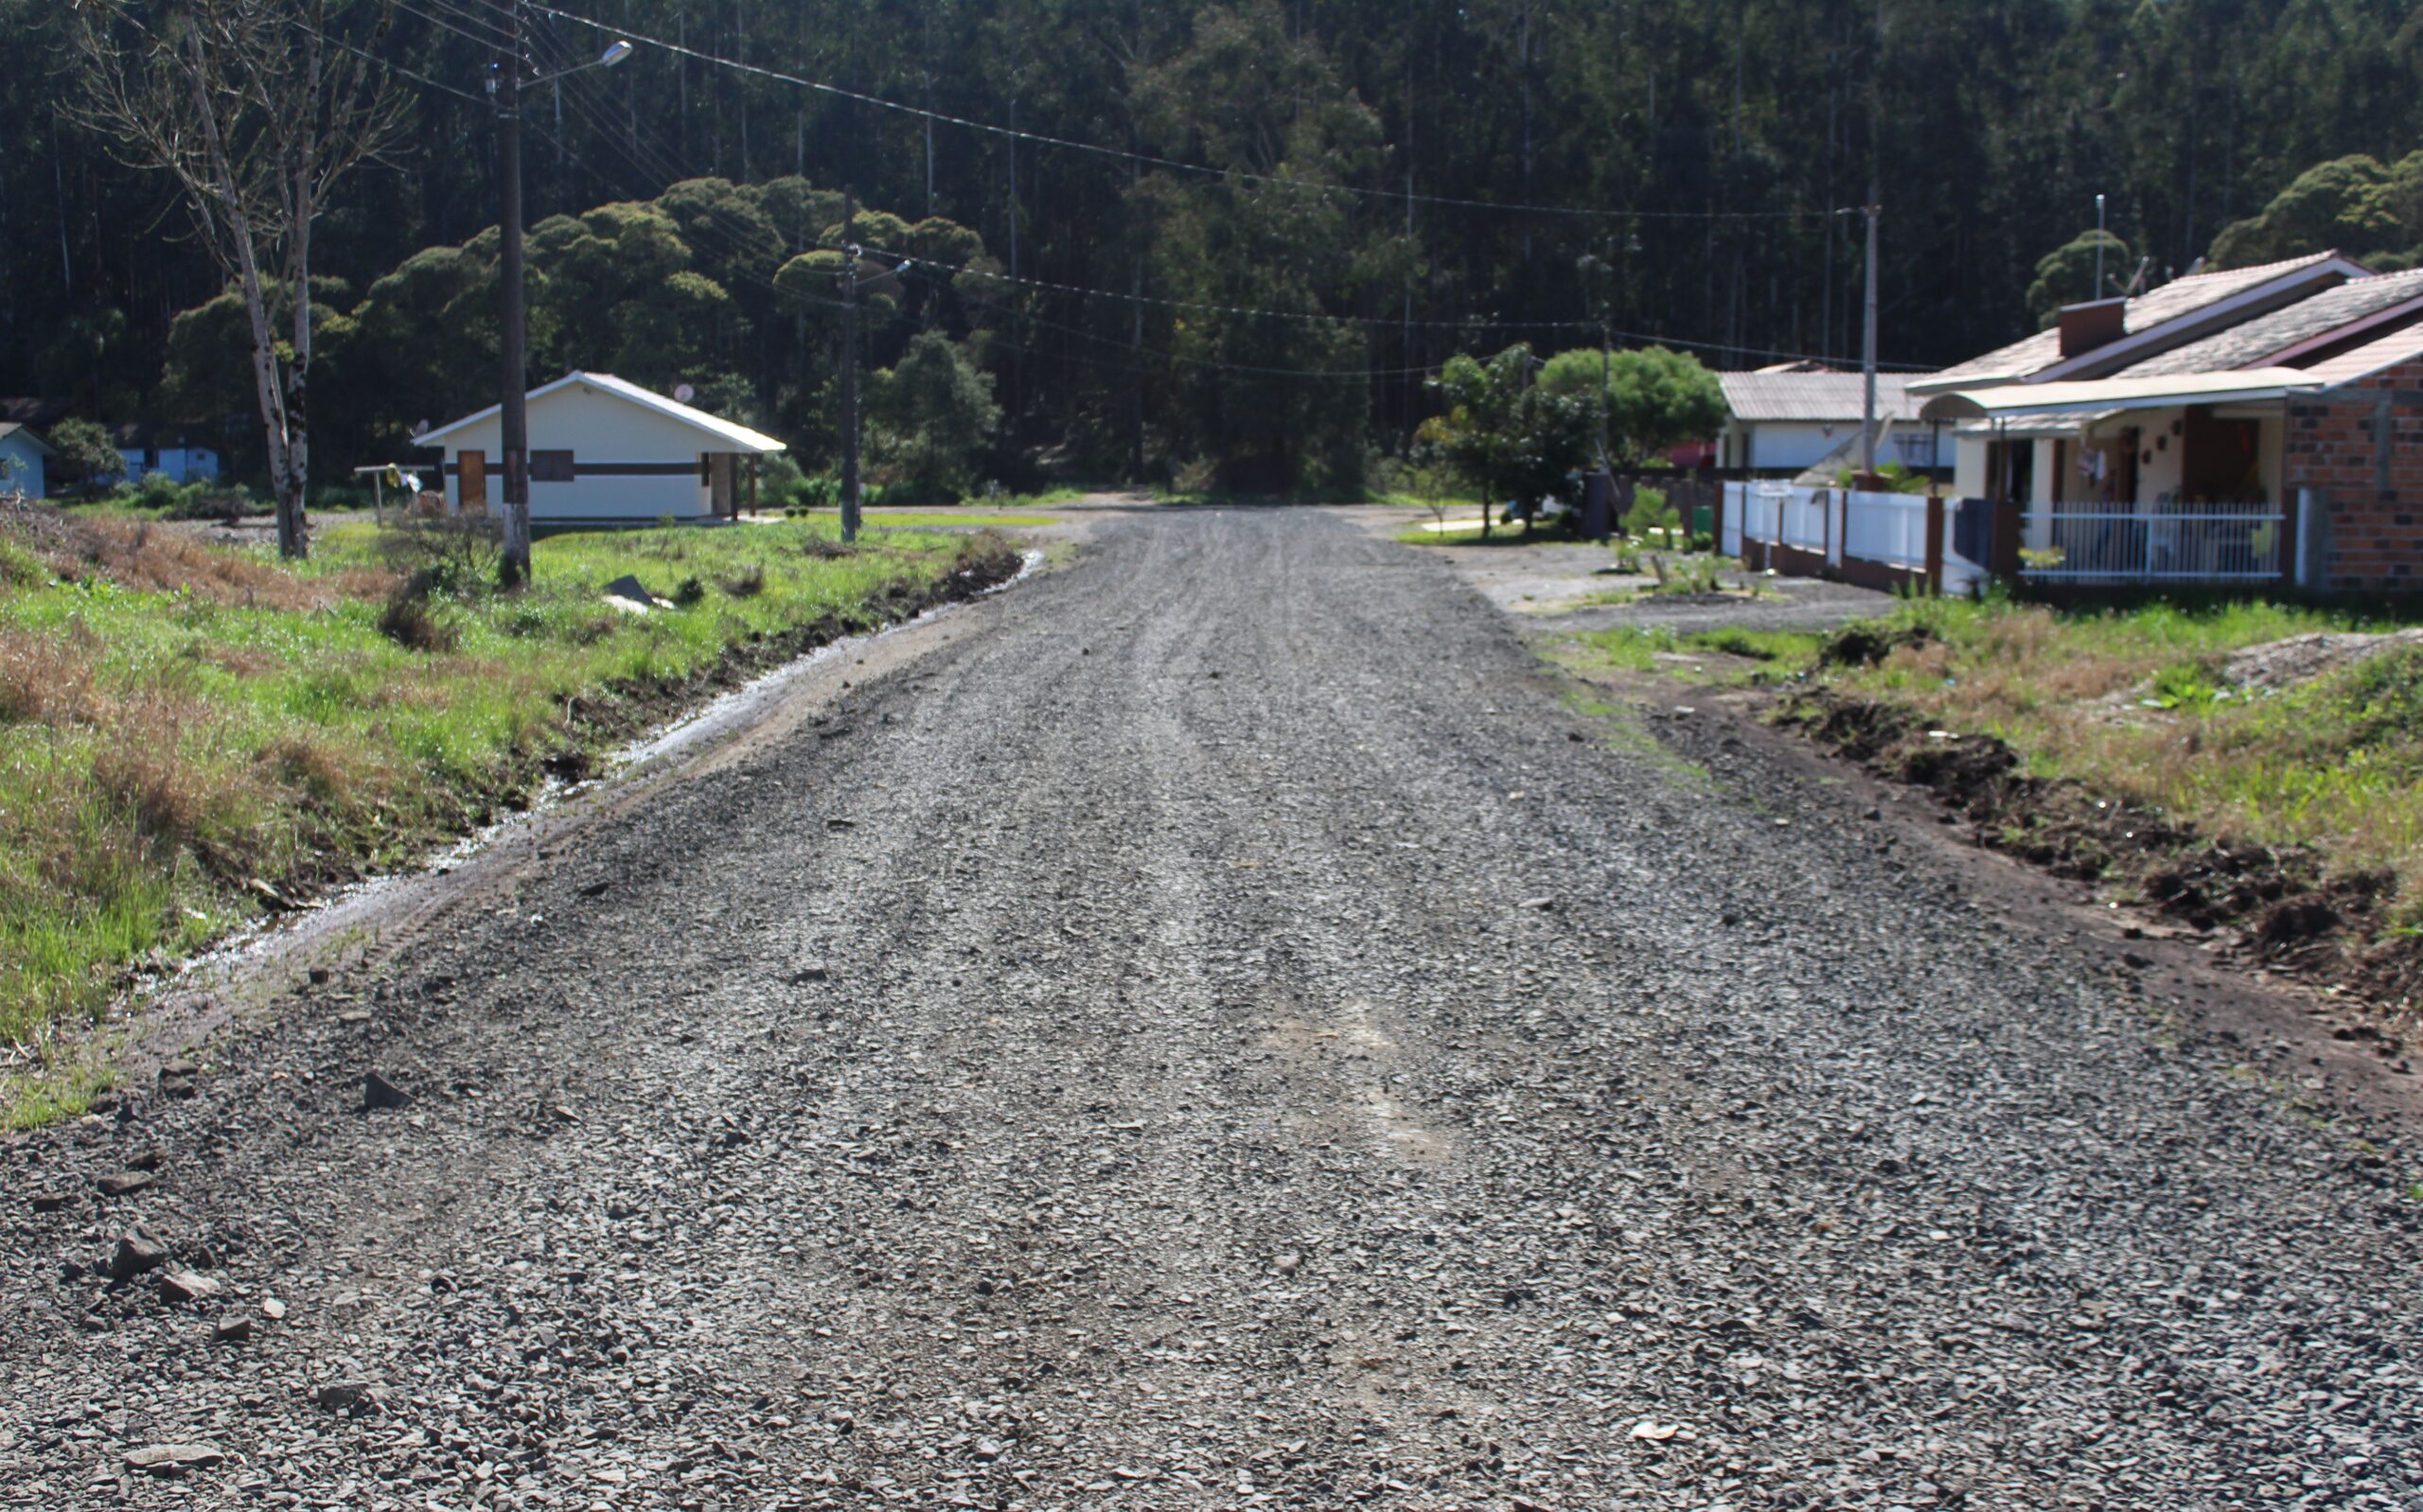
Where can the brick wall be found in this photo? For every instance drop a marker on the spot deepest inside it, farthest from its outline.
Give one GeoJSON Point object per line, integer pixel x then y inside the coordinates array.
{"type": "Point", "coordinates": [2371, 491]}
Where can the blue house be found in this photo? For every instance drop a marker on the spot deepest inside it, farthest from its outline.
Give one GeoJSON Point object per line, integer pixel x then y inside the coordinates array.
{"type": "Point", "coordinates": [22, 455]}
{"type": "Point", "coordinates": [178, 456]}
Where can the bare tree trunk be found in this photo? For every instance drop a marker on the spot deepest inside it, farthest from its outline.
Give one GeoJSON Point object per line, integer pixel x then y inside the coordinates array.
{"type": "Point", "coordinates": [248, 272]}
{"type": "Point", "coordinates": [294, 497]}
{"type": "Point", "coordinates": [242, 103]}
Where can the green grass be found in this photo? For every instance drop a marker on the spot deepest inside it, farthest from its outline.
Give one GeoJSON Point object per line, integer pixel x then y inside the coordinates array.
{"type": "Point", "coordinates": [1466, 531]}
{"type": "Point", "coordinates": [204, 717]}
{"type": "Point", "coordinates": [1647, 648]}
{"type": "Point", "coordinates": [2134, 702]}
{"type": "Point", "coordinates": [978, 516]}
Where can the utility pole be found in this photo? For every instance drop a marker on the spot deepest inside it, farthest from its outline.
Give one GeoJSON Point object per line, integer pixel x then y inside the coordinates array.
{"type": "Point", "coordinates": [849, 373]}
{"type": "Point", "coordinates": [514, 413]}
{"type": "Point", "coordinates": [1867, 356]}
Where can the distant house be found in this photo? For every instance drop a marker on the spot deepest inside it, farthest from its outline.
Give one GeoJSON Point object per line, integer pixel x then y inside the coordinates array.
{"type": "Point", "coordinates": [174, 454]}
{"type": "Point", "coordinates": [23, 455]}
{"type": "Point", "coordinates": [607, 452]}
{"type": "Point", "coordinates": [2268, 442]}
{"type": "Point", "coordinates": [1780, 421]}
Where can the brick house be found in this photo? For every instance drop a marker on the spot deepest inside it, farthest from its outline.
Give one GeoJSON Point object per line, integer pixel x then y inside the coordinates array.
{"type": "Point", "coordinates": [2284, 449]}
{"type": "Point", "coordinates": [2355, 453]}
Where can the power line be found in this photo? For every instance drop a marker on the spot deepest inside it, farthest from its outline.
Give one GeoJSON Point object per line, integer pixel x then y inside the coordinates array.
{"type": "Point", "coordinates": [1176, 165]}
{"type": "Point", "coordinates": [734, 246]}
{"type": "Point", "coordinates": [660, 167]}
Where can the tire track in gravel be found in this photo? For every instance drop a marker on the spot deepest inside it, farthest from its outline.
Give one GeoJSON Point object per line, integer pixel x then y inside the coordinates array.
{"type": "Point", "coordinates": [1188, 1107]}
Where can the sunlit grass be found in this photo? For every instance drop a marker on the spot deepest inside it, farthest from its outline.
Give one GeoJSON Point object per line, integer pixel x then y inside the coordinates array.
{"type": "Point", "coordinates": [2335, 762]}
{"type": "Point", "coordinates": [976, 516]}
{"type": "Point", "coordinates": [164, 745]}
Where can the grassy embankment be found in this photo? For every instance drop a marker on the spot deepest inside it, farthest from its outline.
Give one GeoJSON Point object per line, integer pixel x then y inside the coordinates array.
{"type": "Point", "coordinates": [2139, 713]}
{"type": "Point", "coordinates": [188, 732]}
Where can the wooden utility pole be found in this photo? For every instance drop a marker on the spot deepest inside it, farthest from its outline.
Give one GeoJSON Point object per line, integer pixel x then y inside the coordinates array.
{"type": "Point", "coordinates": [514, 412]}
{"type": "Point", "coordinates": [849, 374]}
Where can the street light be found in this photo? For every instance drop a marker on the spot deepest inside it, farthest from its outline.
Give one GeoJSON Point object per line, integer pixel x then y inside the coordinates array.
{"type": "Point", "coordinates": [513, 413]}
{"type": "Point", "coordinates": [2099, 246]}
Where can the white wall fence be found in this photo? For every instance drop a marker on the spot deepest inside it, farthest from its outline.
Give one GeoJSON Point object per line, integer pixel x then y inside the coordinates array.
{"type": "Point", "coordinates": [2197, 543]}
{"type": "Point", "coordinates": [1889, 529]}
{"type": "Point", "coordinates": [1876, 539]}
{"type": "Point", "coordinates": [1883, 539]}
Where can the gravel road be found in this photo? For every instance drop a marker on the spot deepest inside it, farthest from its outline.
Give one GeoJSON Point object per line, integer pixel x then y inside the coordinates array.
{"type": "Point", "coordinates": [1224, 1033]}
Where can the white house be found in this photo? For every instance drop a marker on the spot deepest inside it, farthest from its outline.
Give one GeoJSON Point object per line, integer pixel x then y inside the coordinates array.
{"type": "Point", "coordinates": [607, 452]}
{"type": "Point", "coordinates": [1782, 420]}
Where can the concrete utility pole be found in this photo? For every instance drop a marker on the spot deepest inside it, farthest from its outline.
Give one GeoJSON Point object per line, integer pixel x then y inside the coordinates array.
{"type": "Point", "coordinates": [514, 415]}
{"type": "Point", "coordinates": [849, 374]}
{"type": "Point", "coordinates": [513, 410]}
{"type": "Point", "coordinates": [2099, 246]}
{"type": "Point", "coordinates": [1867, 356]}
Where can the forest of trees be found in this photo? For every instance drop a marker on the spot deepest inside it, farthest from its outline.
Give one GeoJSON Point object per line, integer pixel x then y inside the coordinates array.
{"type": "Point", "coordinates": [1308, 204]}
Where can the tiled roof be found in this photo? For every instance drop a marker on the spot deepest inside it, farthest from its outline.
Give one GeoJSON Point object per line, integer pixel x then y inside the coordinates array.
{"type": "Point", "coordinates": [2181, 296]}
{"type": "Point", "coordinates": [2389, 351]}
{"type": "Point", "coordinates": [2260, 340]}
{"type": "Point", "coordinates": [1819, 397]}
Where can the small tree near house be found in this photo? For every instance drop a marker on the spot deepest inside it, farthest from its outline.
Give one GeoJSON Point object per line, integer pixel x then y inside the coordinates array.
{"type": "Point", "coordinates": [1510, 438]}
{"type": "Point", "coordinates": [257, 109]}
{"type": "Point", "coordinates": [83, 454]}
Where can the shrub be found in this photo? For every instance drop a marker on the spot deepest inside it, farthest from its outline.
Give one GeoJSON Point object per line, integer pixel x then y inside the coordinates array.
{"type": "Point", "coordinates": [20, 567]}
{"type": "Point", "coordinates": [780, 481]}
{"type": "Point", "coordinates": [1652, 515]}
{"type": "Point", "coordinates": [691, 591]}
{"type": "Point", "coordinates": [409, 620]}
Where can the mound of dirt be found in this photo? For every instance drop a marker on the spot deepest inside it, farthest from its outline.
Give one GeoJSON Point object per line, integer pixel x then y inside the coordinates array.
{"type": "Point", "coordinates": [1869, 644]}
{"type": "Point", "coordinates": [2282, 907]}
{"type": "Point", "coordinates": [2301, 658]}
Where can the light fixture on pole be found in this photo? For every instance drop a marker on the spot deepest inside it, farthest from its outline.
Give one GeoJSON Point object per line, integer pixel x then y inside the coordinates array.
{"type": "Point", "coordinates": [513, 412]}
{"type": "Point", "coordinates": [2099, 246]}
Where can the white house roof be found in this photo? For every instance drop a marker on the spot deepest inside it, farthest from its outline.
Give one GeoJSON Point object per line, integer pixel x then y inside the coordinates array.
{"type": "Point", "coordinates": [2179, 311]}
{"type": "Point", "coordinates": [2107, 395]}
{"type": "Point", "coordinates": [9, 427]}
{"type": "Point", "coordinates": [1819, 399]}
{"type": "Point", "coordinates": [730, 437]}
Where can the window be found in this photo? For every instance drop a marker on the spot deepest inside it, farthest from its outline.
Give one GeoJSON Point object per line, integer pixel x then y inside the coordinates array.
{"type": "Point", "coordinates": [551, 466]}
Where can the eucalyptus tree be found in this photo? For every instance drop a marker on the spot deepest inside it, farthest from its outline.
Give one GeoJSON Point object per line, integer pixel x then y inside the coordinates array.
{"type": "Point", "coordinates": [257, 110]}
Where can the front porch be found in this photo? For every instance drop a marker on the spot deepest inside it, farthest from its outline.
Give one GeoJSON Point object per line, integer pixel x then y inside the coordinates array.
{"type": "Point", "coordinates": [2118, 484]}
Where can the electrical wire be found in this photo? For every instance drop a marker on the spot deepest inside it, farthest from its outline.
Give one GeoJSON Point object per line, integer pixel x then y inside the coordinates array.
{"type": "Point", "coordinates": [649, 159]}
{"type": "Point", "coordinates": [1153, 160]}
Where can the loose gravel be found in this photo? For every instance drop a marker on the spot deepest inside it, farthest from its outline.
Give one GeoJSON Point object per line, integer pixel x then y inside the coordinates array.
{"type": "Point", "coordinates": [1227, 1035]}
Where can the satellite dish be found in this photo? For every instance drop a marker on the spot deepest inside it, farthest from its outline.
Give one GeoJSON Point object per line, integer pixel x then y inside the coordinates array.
{"type": "Point", "coordinates": [420, 429]}
{"type": "Point", "coordinates": [685, 393]}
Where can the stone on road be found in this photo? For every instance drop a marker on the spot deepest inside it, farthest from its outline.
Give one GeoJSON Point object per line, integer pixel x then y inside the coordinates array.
{"type": "Point", "coordinates": [1168, 1089]}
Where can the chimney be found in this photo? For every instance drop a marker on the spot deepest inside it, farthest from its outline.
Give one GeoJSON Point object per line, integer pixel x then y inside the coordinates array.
{"type": "Point", "coordinates": [2100, 323]}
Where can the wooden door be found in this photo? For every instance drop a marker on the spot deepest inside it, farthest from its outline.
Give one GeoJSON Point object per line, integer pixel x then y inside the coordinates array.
{"type": "Point", "coordinates": [471, 468]}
